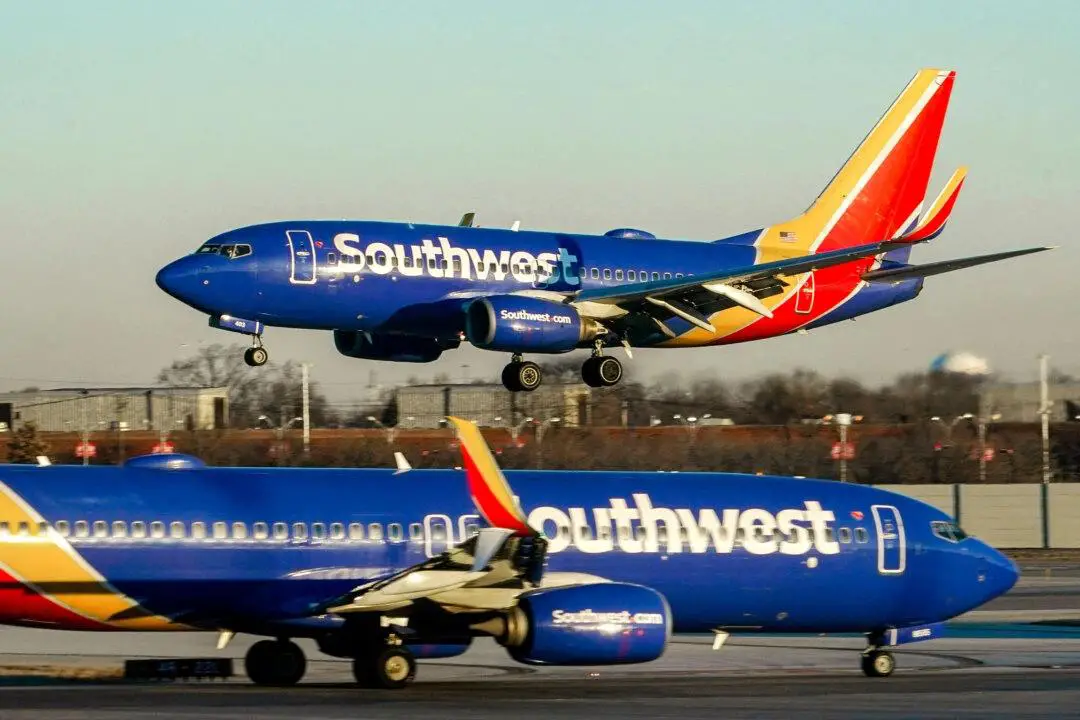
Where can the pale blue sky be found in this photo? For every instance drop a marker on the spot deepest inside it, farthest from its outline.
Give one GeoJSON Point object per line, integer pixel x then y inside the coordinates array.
{"type": "Point", "coordinates": [132, 131]}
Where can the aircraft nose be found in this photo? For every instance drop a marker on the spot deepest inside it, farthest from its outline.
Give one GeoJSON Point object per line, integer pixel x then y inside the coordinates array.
{"type": "Point", "coordinates": [999, 573]}
{"type": "Point", "coordinates": [180, 279]}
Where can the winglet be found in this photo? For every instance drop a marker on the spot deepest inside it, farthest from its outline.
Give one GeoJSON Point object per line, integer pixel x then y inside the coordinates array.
{"type": "Point", "coordinates": [401, 463]}
{"type": "Point", "coordinates": [467, 220]}
{"type": "Point", "coordinates": [934, 221]}
{"type": "Point", "coordinates": [490, 492]}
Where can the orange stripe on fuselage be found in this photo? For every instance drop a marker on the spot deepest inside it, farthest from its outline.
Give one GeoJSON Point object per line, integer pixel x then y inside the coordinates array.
{"type": "Point", "coordinates": [50, 566]}
{"type": "Point", "coordinates": [876, 191]}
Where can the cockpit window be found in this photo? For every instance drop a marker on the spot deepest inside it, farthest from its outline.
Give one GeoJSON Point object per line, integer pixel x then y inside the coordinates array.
{"type": "Point", "coordinates": [209, 249]}
{"type": "Point", "coordinates": [948, 530]}
{"type": "Point", "coordinates": [235, 251]}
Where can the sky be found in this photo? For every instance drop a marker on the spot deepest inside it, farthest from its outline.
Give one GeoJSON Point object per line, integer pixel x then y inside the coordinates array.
{"type": "Point", "coordinates": [131, 132]}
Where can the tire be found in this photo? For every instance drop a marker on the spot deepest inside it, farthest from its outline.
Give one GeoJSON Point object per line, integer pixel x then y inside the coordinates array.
{"type": "Point", "coordinates": [389, 668]}
{"type": "Point", "coordinates": [528, 376]}
{"type": "Point", "coordinates": [589, 374]}
{"type": "Point", "coordinates": [509, 377]}
{"type": "Point", "coordinates": [259, 356]}
{"type": "Point", "coordinates": [275, 663]}
{"type": "Point", "coordinates": [609, 370]}
{"type": "Point", "coordinates": [878, 663]}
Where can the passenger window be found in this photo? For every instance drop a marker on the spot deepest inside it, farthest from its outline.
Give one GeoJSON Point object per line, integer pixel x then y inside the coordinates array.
{"type": "Point", "coordinates": [375, 532]}
{"type": "Point", "coordinates": [261, 531]}
{"type": "Point", "coordinates": [299, 531]}
{"type": "Point", "coordinates": [198, 530]}
{"type": "Point", "coordinates": [356, 531]}
{"type": "Point", "coordinates": [239, 531]}
{"type": "Point", "coordinates": [607, 273]}
{"type": "Point", "coordinates": [177, 530]}
{"type": "Point", "coordinates": [138, 529]}
{"type": "Point", "coordinates": [631, 275]}
{"type": "Point", "coordinates": [101, 528]}
{"type": "Point", "coordinates": [667, 276]}
{"type": "Point", "coordinates": [581, 271]}
{"type": "Point", "coordinates": [82, 529]}
{"type": "Point", "coordinates": [5, 529]}
{"type": "Point", "coordinates": [337, 531]}
{"type": "Point", "coordinates": [62, 527]}
{"type": "Point", "coordinates": [24, 529]}
{"type": "Point", "coordinates": [678, 275]}
{"type": "Point", "coordinates": [830, 536]}
{"type": "Point", "coordinates": [331, 257]}
{"type": "Point", "coordinates": [416, 531]}
{"type": "Point", "coordinates": [656, 276]}
{"type": "Point", "coordinates": [471, 528]}
{"type": "Point", "coordinates": [157, 529]}
{"type": "Point", "coordinates": [618, 274]}
{"type": "Point", "coordinates": [318, 531]}
{"type": "Point", "coordinates": [845, 535]}
{"type": "Point", "coordinates": [221, 531]}
{"type": "Point", "coordinates": [595, 273]}
{"type": "Point", "coordinates": [281, 531]}
{"type": "Point", "coordinates": [395, 532]}
{"type": "Point", "coordinates": [861, 536]}
{"type": "Point", "coordinates": [119, 529]}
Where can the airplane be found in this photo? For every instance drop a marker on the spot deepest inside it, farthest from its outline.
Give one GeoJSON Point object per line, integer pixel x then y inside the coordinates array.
{"type": "Point", "coordinates": [387, 566]}
{"type": "Point", "coordinates": [406, 292]}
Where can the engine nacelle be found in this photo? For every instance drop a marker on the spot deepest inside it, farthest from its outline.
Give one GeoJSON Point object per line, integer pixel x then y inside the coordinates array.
{"type": "Point", "coordinates": [512, 323]}
{"type": "Point", "coordinates": [396, 348]}
{"type": "Point", "coordinates": [597, 624]}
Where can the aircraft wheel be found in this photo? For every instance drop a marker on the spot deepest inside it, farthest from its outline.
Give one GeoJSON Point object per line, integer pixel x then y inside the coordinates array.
{"type": "Point", "coordinates": [878, 663]}
{"type": "Point", "coordinates": [522, 376]}
{"type": "Point", "coordinates": [391, 668]}
{"type": "Point", "coordinates": [601, 371]}
{"type": "Point", "coordinates": [256, 356]}
{"type": "Point", "coordinates": [278, 663]}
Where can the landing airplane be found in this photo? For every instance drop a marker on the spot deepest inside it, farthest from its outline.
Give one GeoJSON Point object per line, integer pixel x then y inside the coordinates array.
{"type": "Point", "coordinates": [385, 566]}
{"type": "Point", "coordinates": [408, 292]}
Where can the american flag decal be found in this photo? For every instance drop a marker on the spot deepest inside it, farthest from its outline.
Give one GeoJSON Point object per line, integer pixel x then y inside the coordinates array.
{"type": "Point", "coordinates": [788, 236]}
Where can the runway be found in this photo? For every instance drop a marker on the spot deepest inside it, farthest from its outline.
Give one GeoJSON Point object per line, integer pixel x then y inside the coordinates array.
{"type": "Point", "coordinates": [995, 662]}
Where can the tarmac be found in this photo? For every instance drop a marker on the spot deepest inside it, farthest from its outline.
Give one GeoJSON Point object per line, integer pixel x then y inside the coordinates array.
{"type": "Point", "coordinates": [1019, 656]}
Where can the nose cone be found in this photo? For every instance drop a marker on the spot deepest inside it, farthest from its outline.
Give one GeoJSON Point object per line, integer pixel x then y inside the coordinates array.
{"type": "Point", "coordinates": [180, 279]}
{"type": "Point", "coordinates": [999, 574]}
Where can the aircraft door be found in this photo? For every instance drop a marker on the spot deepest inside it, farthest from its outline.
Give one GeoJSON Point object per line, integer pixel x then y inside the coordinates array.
{"type": "Point", "coordinates": [302, 254]}
{"type": "Point", "coordinates": [438, 534]}
{"type": "Point", "coordinates": [804, 301]}
{"type": "Point", "coordinates": [892, 548]}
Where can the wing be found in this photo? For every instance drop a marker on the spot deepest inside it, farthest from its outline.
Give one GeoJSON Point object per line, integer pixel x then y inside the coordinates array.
{"type": "Point", "coordinates": [486, 572]}
{"type": "Point", "coordinates": [688, 298]}
{"type": "Point", "coordinates": [907, 272]}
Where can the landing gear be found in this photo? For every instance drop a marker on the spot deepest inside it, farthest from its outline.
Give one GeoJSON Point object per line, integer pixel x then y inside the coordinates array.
{"type": "Point", "coordinates": [878, 663]}
{"type": "Point", "coordinates": [256, 355]}
{"type": "Point", "coordinates": [601, 371]}
{"type": "Point", "coordinates": [390, 667]}
{"type": "Point", "coordinates": [521, 376]}
{"type": "Point", "coordinates": [278, 663]}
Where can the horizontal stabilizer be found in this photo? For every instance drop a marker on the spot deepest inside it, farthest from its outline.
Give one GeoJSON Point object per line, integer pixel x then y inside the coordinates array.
{"type": "Point", "coordinates": [915, 271]}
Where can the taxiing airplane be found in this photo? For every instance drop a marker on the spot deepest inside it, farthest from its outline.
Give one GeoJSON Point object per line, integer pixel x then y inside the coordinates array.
{"type": "Point", "coordinates": [385, 566]}
{"type": "Point", "coordinates": [408, 292]}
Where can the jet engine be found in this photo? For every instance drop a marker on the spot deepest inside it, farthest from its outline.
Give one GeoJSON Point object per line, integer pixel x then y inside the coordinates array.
{"type": "Point", "coordinates": [512, 323]}
{"type": "Point", "coordinates": [396, 348]}
{"type": "Point", "coordinates": [596, 624]}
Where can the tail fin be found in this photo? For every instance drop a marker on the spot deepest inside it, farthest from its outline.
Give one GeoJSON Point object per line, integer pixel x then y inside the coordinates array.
{"type": "Point", "coordinates": [878, 193]}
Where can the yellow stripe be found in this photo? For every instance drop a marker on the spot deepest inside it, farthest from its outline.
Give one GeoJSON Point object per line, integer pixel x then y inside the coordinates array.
{"type": "Point", "coordinates": [943, 196]}
{"type": "Point", "coordinates": [473, 442]}
{"type": "Point", "coordinates": [48, 559]}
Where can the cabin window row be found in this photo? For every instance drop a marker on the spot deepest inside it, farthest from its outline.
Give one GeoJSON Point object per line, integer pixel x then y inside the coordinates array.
{"type": "Point", "coordinates": [220, 530]}
{"type": "Point", "coordinates": [844, 535]}
{"type": "Point", "coordinates": [540, 270]}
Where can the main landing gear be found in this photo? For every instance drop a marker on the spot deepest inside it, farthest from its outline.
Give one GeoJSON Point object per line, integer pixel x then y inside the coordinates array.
{"type": "Point", "coordinates": [256, 355]}
{"type": "Point", "coordinates": [281, 663]}
{"type": "Point", "coordinates": [598, 371]}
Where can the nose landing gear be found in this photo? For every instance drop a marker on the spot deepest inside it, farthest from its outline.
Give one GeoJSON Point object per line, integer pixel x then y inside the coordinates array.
{"type": "Point", "coordinates": [878, 663]}
{"type": "Point", "coordinates": [256, 355]}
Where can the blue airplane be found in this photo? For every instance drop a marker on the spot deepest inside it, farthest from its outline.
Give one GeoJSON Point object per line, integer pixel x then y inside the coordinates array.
{"type": "Point", "coordinates": [586, 568]}
{"type": "Point", "coordinates": [406, 292]}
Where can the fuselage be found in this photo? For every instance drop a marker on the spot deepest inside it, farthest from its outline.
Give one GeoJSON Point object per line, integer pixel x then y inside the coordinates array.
{"type": "Point", "coordinates": [206, 548]}
{"type": "Point", "coordinates": [417, 279]}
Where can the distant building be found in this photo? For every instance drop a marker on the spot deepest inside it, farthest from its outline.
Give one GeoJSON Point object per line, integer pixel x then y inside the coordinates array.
{"type": "Point", "coordinates": [94, 409]}
{"type": "Point", "coordinates": [490, 405]}
{"type": "Point", "coordinates": [1019, 402]}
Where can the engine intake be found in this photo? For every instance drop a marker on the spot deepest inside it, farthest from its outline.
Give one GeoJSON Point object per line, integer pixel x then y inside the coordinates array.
{"type": "Point", "coordinates": [512, 323]}
{"type": "Point", "coordinates": [597, 624]}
